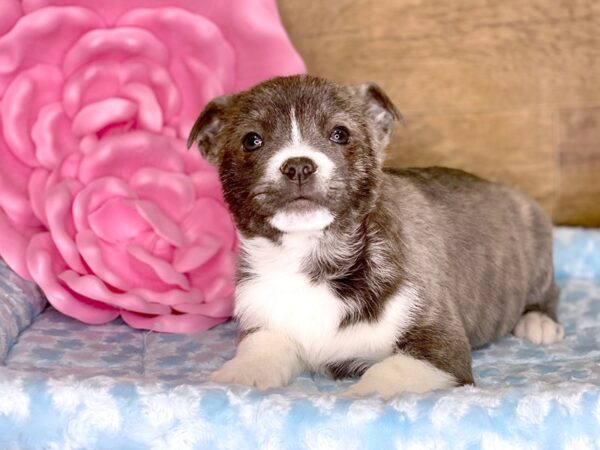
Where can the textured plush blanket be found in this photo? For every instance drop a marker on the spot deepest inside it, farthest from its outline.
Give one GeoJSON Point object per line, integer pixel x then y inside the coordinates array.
{"type": "Point", "coordinates": [67, 385]}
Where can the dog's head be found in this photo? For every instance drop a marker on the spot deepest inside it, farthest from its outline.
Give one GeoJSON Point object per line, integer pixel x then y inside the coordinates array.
{"type": "Point", "coordinates": [297, 153]}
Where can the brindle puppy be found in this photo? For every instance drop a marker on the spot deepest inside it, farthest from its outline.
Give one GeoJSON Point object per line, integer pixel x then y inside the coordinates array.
{"type": "Point", "coordinates": [350, 268]}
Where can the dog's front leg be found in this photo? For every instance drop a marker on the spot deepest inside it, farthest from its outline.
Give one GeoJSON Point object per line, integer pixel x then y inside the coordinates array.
{"type": "Point", "coordinates": [400, 373]}
{"type": "Point", "coordinates": [264, 359]}
{"type": "Point", "coordinates": [427, 358]}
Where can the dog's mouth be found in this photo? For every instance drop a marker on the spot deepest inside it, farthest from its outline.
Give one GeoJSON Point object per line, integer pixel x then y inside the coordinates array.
{"type": "Point", "coordinates": [301, 213]}
{"type": "Point", "coordinates": [301, 204]}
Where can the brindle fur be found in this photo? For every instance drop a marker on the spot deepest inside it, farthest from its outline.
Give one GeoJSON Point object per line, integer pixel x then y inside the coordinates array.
{"type": "Point", "coordinates": [478, 253]}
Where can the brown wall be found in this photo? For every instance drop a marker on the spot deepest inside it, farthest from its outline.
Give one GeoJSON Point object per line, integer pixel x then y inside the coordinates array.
{"type": "Point", "coordinates": [507, 89]}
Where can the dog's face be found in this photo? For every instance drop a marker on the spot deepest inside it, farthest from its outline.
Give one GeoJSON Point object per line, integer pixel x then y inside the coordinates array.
{"type": "Point", "coordinates": [297, 153]}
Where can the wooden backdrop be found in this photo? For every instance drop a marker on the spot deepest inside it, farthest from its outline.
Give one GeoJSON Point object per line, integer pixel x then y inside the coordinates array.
{"type": "Point", "coordinates": [507, 89]}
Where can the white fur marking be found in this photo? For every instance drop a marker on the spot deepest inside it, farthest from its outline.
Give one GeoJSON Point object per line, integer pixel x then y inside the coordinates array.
{"type": "Point", "coordinates": [298, 222]}
{"type": "Point", "coordinates": [295, 131]}
{"type": "Point", "coordinates": [264, 359]}
{"type": "Point", "coordinates": [280, 297]}
{"type": "Point", "coordinates": [400, 373]}
{"type": "Point", "coordinates": [297, 148]}
{"type": "Point", "coordinates": [539, 329]}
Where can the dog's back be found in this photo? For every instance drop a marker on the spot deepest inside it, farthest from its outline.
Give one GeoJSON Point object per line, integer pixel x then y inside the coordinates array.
{"type": "Point", "coordinates": [481, 248]}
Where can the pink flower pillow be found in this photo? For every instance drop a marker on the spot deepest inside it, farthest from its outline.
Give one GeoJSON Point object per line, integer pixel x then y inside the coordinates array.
{"type": "Point", "coordinates": [100, 203]}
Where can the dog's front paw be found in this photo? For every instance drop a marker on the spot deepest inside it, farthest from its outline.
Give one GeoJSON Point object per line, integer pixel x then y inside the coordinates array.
{"type": "Point", "coordinates": [538, 328]}
{"type": "Point", "coordinates": [258, 373]}
{"type": "Point", "coordinates": [372, 386]}
{"type": "Point", "coordinates": [397, 374]}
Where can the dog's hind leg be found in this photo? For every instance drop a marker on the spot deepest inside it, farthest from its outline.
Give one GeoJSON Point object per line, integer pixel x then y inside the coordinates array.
{"type": "Point", "coordinates": [539, 323]}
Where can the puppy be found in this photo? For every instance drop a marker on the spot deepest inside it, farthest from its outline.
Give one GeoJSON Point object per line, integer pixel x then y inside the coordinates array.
{"type": "Point", "coordinates": [354, 270]}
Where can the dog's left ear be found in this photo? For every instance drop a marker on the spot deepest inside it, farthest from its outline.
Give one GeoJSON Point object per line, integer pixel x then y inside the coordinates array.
{"type": "Point", "coordinates": [207, 127]}
{"type": "Point", "coordinates": [381, 111]}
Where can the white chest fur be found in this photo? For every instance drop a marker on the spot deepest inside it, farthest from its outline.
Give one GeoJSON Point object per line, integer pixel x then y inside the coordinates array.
{"type": "Point", "coordinates": [280, 297]}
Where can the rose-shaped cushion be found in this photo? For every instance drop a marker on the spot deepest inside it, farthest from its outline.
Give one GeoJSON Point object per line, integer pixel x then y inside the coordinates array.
{"type": "Point", "coordinates": [100, 202]}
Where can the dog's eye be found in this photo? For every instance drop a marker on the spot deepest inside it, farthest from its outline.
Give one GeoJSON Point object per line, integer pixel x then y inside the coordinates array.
{"type": "Point", "coordinates": [340, 135]}
{"type": "Point", "coordinates": [252, 141]}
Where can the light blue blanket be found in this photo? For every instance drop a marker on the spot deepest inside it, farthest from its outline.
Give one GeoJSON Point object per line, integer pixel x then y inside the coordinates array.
{"type": "Point", "coordinates": [65, 385]}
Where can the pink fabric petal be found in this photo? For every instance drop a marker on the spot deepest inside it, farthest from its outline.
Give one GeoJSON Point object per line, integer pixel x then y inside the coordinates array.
{"type": "Point", "coordinates": [93, 195]}
{"type": "Point", "coordinates": [180, 323]}
{"type": "Point", "coordinates": [216, 279]}
{"type": "Point", "coordinates": [15, 114]}
{"type": "Point", "coordinates": [186, 33]}
{"type": "Point", "coordinates": [67, 169]}
{"type": "Point", "coordinates": [213, 309]}
{"type": "Point", "coordinates": [114, 265]}
{"type": "Point", "coordinates": [114, 43]}
{"type": "Point", "coordinates": [173, 193]}
{"type": "Point", "coordinates": [202, 53]}
{"type": "Point", "coordinates": [13, 245]}
{"type": "Point", "coordinates": [44, 36]}
{"type": "Point", "coordinates": [45, 264]}
{"type": "Point", "coordinates": [171, 297]}
{"type": "Point", "coordinates": [95, 117]}
{"type": "Point", "coordinates": [154, 76]}
{"type": "Point", "coordinates": [162, 268]}
{"type": "Point", "coordinates": [249, 26]}
{"type": "Point", "coordinates": [220, 289]}
{"type": "Point", "coordinates": [37, 190]}
{"type": "Point", "coordinates": [208, 217]}
{"type": "Point", "coordinates": [24, 97]}
{"type": "Point", "coordinates": [14, 198]}
{"type": "Point", "coordinates": [154, 244]}
{"type": "Point", "coordinates": [207, 184]}
{"type": "Point", "coordinates": [121, 156]}
{"type": "Point", "coordinates": [11, 12]}
{"type": "Point", "coordinates": [52, 136]}
{"type": "Point", "coordinates": [60, 223]}
{"type": "Point", "coordinates": [149, 84]}
{"type": "Point", "coordinates": [129, 224]}
{"type": "Point", "coordinates": [112, 271]}
{"type": "Point", "coordinates": [150, 115]}
{"type": "Point", "coordinates": [192, 257]}
{"type": "Point", "coordinates": [91, 287]}
{"type": "Point", "coordinates": [92, 83]}
{"type": "Point", "coordinates": [190, 70]}
{"type": "Point", "coordinates": [160, 222]}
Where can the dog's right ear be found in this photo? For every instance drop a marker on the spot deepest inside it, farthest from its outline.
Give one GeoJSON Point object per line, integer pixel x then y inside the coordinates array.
{"type": "Point", "coordinates": [207, 127]}
{"type": "Point", "coordinates": [380, 110]}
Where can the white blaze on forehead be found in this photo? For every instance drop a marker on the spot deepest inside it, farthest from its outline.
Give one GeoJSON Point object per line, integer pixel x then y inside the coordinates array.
{"type": "Point", "coordinates": [291, 222]}
{"type": "Point", "coordinates": [297, 148]}
{"type": "Point", "coordinates": [295, 129]}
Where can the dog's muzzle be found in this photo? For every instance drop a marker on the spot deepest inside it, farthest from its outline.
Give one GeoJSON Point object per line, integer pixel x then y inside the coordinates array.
{"type": "Point", "coordinates": [298, 170]}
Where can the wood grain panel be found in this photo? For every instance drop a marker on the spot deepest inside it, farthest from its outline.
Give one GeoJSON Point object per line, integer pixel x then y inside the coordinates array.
{"type": "Point", "coordinates": [508, 147]}
{"type": "Point", "coordinates": [410, 18]}
{"type": "Point", "coordinates": [485, 85]}
{"type": "Point", "coordinates": [579, 156]}
{"type": "Point", "coordinates": [487, 67]}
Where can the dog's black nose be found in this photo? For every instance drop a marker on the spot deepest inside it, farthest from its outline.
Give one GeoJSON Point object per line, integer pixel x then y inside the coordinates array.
{"type": "Point", "coordinates": [298, 169]}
